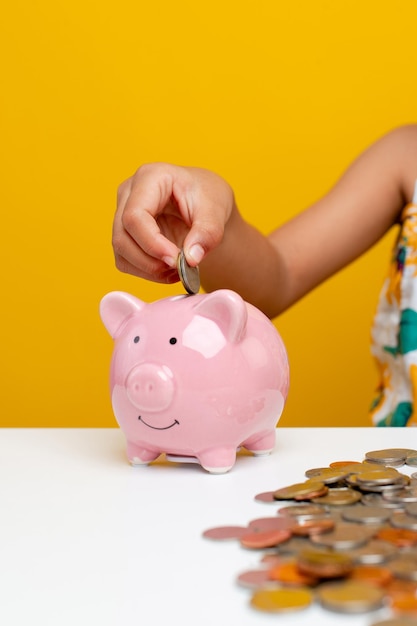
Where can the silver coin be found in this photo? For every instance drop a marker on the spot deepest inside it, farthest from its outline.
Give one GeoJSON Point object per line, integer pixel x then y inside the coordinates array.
{"type": "Point", "coordinates": [393, 457]}
{"type": "Point", "coordinates": [344, 537]}
{"type": "Point", "coordinates": [402, 520]}
{"type": "Point", "coordinates": [303, 511]}
{"type": "Point", "coordinates": [374, 552]}
{"type": "Point", "coordinates": [411, 508]}
{"type": "Point", "coordinates": [189, 276]}
{"type": "Point", "coordinates": [406, 494]}
{"type": "Point", "coordinates": [366, 514]}
{"type": "Point", "coordinates": [377, 499]}
{"type": "Point", "coordinates": [411, 458]}
{"type": "Point", "coordinates": [403, 567]}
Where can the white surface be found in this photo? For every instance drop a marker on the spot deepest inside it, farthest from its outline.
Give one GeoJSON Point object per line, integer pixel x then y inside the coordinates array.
{"type": "Point", "coordinates": [88, 540]}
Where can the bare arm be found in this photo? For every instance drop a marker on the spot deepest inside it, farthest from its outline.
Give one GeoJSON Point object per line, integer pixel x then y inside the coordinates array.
{"type": "Point", "coordinates": [164, 207]}
{"type": "Point", "coordinates": [274, 272]}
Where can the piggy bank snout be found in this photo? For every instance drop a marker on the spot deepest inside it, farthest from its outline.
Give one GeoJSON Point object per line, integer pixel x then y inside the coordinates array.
{"type": "Point", "coordinates": [150, 387]}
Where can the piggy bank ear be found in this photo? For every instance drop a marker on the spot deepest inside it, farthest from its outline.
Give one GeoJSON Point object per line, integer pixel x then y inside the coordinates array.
{"type": "Point", "coordinates": [227, 309]}
{"type": "Point", "coordinates": [116, 307]}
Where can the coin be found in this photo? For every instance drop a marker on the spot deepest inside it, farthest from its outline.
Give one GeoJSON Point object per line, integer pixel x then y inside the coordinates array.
{"type": "Point", "coordinates": [189, 276]}
{"type": "Point", "coordinates": [254, 578]}
{"type": "Point", "coordinates": [411, 508]}
{"type": "Point", "coordinates": [350, 597]}
{"type": "Point", "coordinates": [374, 575]}
{"type": "Point", "coordinates": [265, 496]}
{"type": "Point", "coordinates": [406, 494]}
{"type": "Point", "coordinates": [373, 552]}
{"type": "Point", "coordinates": [281, 600]}
{"type": "Point", "coordinates": [402, 520]}
{"type": "Point", "coordinates": [344, 537]}
{"type": "Point", "coordinates": [366, 514]}
{"type": "Point", "coordinates": [264, 538]}
{"type": "Point", "coordinates": [395, 457]}
{"type": "Point", "coordinates": [338, 497]}
{"type": "Point", "coordinates": [406, 603]}
{"type": "Point", "coordinates": [225, 532]}
{"type": "Point", "coordinates": [400, 587]}
{"type": "Point", "coordinates": [301, 491]}
{"type": "Point", "coordinates": [404, 567]}
{"type": "Point", "coordinates": [289, 573]}
{"type": "Point", "coordinates": [303, 510]}
{"type": "Point", "coordinates": [307, 527]}
{"type": "Point", "coordinates": [386, 476]}
{"type": "Point", "coordinates": [400, 537]}
{"type": "Point", "coordinates": [358, 523]}
{"type": "Point", "coordinates": [324, 564]}
{"type": "Point", "coordinates": [376, 499]}
{"type": "Point", "coordinates": [327, 475]}
{"type": "Point", "coordinates": [271, 523]}
{"type": "Point", "coordinates": [411, 459]}
{"type": "Point", "coordinates": [337, 464]}
{"type": "Point", "coordinates": [293, 546]}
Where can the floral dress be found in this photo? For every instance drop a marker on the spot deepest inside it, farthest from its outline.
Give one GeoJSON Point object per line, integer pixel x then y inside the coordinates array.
{"type": "Point", "coordinates": [394, 331]}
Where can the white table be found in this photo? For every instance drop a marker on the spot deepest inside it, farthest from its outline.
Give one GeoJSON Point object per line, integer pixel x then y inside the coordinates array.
{"type": "Point", "coordinates": [88, 540]}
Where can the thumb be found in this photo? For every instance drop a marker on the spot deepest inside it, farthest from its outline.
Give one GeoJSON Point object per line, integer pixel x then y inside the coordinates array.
{"type": "Point", "coordinates": [203, 237]}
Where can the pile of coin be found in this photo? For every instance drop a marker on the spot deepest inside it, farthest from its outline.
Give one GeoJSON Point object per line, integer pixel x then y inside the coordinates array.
{"type": "Point", "coordinates": [346, 538]}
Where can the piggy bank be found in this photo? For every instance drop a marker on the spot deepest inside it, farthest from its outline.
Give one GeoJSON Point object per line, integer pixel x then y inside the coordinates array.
{"type": "Point", "coordinates": [195, 377]}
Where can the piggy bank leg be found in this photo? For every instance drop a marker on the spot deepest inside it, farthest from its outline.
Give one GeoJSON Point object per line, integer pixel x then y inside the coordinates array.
{"type": "Point", "coordinates": [217, 460]}
{"type": "Point", "coordinates": [261, 444]}
{"type": "Point", "coordinates": [138, 455]}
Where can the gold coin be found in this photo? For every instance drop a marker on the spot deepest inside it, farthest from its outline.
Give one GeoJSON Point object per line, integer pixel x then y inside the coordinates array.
{"type": "Point", "coordinates": [339, 497]}
{"type": "Point", "coordinates": [322, 564]}
{"type": "Point", "coordinates": [350, 597]}
{"type": "Point", "coordinates": [300, 490]}
{"type": "Point", "coordinates": [189, 276]}
{"type": "Point", "coordinates": [281, 600]}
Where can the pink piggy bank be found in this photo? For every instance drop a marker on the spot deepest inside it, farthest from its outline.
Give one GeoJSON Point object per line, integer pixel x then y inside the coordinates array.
{"type": "Point", "coordinates": [195, 376]}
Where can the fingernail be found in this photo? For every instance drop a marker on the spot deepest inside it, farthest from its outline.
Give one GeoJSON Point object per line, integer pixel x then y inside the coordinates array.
{"type": "Point", "coordinates": [196, 253]}
{"type": "Point", "coordinates": [170, 261]}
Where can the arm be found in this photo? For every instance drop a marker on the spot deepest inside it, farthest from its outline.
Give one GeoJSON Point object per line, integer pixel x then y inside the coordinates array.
{"type": "Point", "coordinates": [164, 207]}
{"type": "Point", "coordinates": [274, 272]}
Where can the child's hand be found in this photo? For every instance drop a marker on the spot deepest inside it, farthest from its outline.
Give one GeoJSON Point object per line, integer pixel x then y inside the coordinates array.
{"type": "Point", "coordinates": [163, 208]}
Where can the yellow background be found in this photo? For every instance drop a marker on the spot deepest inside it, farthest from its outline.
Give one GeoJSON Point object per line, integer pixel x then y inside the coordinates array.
{"type": "Point", "coordinates": [278, 97]}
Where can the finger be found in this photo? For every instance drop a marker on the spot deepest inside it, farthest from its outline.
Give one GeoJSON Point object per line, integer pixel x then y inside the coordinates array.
{"type": "Point", "coordinates": [205, 234]}
{"type": "Point", "coordinates": [129, 255]}
{"type": "Point", "coordinates": [150, 194]}
{"type": "Point", "coordinates": [157, 272]}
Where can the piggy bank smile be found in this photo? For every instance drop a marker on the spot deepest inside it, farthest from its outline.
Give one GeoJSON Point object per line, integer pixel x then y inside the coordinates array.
{"type": "Point", "coordinates": [174, 423]}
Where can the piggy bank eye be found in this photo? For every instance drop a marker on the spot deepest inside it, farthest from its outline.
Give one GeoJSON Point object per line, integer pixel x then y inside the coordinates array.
{"type": "Point", "coordinates": [173, 340]}
{"type": "Point", "coordinates": [136, 339]}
